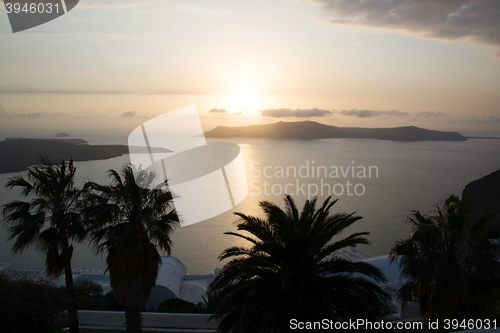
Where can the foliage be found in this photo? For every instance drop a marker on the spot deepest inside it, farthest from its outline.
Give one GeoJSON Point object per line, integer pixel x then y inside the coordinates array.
{"type": "Point", "coordinates": [449, 264]}
{"type": "Point", "coordinates": [87, 293]}
{"type": "Point", "coordinates": [213, 301]}
{"type": "Point", "coordinates": [88, 288]}
{"type": "Point", "coordinates": [31, 306]}
{"type": "Point", "coordinates": [177, 305]}
{"type": "Point", "coordinates": [111, 302]}
{"type": "Point", "coordinates": [131, 223]}
{"type": "Point", "coordinates": [50, 220]}
{"type": "Point", "coordinates": [288, 272]}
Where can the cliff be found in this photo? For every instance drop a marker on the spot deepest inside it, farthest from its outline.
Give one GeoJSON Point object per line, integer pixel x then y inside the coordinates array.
{"type": "Point", "coordinates": [484, 195]}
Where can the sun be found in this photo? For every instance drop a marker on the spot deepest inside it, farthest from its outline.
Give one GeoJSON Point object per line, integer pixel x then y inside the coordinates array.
{"type": "Point", "coordinates": [243, 100]}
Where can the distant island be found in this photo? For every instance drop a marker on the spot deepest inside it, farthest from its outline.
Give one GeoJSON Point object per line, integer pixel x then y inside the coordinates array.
{"type": "Point", "coordinates": [310, 130]}
{"type": "Point", "coordinates": [483, 137]}
{"type": "Point", "coordinates": [62, 135]}
{"type": "Point", "coordinates": [18, 154]}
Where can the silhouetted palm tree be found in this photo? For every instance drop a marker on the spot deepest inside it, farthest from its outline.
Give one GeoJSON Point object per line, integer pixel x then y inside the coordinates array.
{"type": "Point", "coordinates": [450, 265]}
{"type": "Point", "coordinates": [133, 222]}
{"type": "Point", "coordinates": [289, 271]}
{"type": "Point", "coordinates": [50, 220]}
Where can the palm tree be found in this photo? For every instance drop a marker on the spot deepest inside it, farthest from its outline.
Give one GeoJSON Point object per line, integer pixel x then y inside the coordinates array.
{"type": "Point", "coordinates": [50, 220]}
{"type": "Point", "coordinates": [289, 271]}
{"type": "Point", "coordinates": [132, 222]}
{"type": "Point", "coordinates": [449, 264]}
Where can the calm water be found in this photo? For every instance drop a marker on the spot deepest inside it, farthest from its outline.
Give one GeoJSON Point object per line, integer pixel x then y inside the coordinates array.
{"type": "Point", "coordinates": [404, 177]}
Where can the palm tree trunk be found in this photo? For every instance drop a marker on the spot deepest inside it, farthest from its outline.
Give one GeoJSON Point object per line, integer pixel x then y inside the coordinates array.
{"type": "Point", "coordinates": [133, 319]}
{"type": "Point", "coordinates": [67, 253]}
{"type": "Point", "coordinates": [72, 310]}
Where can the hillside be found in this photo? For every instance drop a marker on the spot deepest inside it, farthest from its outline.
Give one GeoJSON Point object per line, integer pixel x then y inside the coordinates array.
{"type": "Point", "coordinates": [19, 154]}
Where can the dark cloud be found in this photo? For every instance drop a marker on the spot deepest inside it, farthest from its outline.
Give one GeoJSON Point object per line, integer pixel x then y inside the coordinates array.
{"type": "Point", "coordinates": [298, 113]}
{"type": "Point", "coordinates": [484, 119]}
{"type": "Point", "coordinates": [442, 19]}
{"type": "Point", "coordinates": [214, 110]}
{"type": "Point", "coordinates": [432, 114]}
{"type": "Point", "coordinates": [372, 113]}
{"type": "Point", "coordinates": [129, 114]}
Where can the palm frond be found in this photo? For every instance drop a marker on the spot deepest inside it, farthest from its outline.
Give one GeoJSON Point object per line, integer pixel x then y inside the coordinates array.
{"type": "Point", "coordinates": [448, 262]}
{"type": "Point", "coordinates": [283, 274]}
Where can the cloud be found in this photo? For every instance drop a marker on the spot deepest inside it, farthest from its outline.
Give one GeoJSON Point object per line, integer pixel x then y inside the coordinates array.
{"type": "Point", "coordinates": [101, 92]}
{"type": "Point", "coordinates": [3, 112]}
{"type": "Point", "coordinates": [432, 114]}
{"type": "Point", "coordinates": [484, 119]}
{"type": "Point", "coordinates": [372, 113]}
{"type": "Point", "coordinates": [34, 115]}
{"type": "Point", "coordinates": [191, 7]}
{"type": "Point", "coordinates": [298, 113]}
{"type": "Point", "coordinates": [440, 19]}
{"type": "Point", "coordinates": [214, 110]}
{"type": "Point", "coordinates": [110, 4]}
{"type": "Point", "coordinates": [38, 115]}
{"type": "Point", "coordinates": [129, 114]}
{"type": "Point", "coordinates": [222, 113]}
{"type": "Point", "coordinates": [26, 32]}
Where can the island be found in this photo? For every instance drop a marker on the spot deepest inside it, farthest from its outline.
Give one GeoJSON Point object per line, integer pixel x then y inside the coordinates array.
{"type": "Point", "coordinates": [18, 154]}
{"type": "Point", "coordinates": [310, 130]}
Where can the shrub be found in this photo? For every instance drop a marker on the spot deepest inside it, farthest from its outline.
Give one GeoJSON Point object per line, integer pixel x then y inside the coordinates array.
{"type": "Point", "coordinates": [111, 302]}
{"type": "Point", "coordinates": [212, 302]}
{"type": "Point", "coordinates": [87, 293]}
{"type": "Point", "coordinates": [32, 306]}
{"type": "Point", "coordinates": [177, 305]}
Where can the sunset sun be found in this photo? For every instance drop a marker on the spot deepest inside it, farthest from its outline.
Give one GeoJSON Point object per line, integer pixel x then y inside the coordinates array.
{"type": "Point", "coordinates": [243, 100]}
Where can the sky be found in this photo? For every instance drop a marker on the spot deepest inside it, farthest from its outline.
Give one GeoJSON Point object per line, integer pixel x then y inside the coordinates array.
{"type": "Point", "coordinates": [105, 67]}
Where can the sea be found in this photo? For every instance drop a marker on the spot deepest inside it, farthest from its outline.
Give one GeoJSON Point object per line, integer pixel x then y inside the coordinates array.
{"type": "Point", "coordinates": [381, 181]}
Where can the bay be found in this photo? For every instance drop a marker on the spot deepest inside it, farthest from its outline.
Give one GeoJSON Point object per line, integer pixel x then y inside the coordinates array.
{"type": "Point", "coordinates": [405, 176]}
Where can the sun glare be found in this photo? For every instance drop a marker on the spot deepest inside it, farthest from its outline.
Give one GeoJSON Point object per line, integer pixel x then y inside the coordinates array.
{"type": "Point", "coordinates": [243, 100]}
